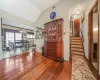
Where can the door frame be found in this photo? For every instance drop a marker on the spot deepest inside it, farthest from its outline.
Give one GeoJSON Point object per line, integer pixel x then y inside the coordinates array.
{"type": "Point", "coordinates": [99, 35]}
{"type": "Point", "coordinates": [90, 36]}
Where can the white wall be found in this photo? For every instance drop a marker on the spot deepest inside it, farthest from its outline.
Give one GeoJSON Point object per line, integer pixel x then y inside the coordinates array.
{"type": "Point", "coordinates": [85, 34]}
{"type": "Point", "coordinates": [62, 9]}
{"type": "Point", "coordinates": [39, 44]}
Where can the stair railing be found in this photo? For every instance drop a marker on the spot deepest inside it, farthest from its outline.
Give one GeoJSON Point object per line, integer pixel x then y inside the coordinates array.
{"type": "Point", "coordinates": [82, 41]}
{"type": "Point", "coordinates": [82, 35]}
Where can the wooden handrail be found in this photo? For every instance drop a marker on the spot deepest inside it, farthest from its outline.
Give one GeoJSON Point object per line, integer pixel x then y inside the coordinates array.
{"type": "Point", "coordinates": [82, 35]}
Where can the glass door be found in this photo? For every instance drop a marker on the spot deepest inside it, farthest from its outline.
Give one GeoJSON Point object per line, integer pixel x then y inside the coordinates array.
{"type": "Point", "coordinates": [49, 32]}
{"type": "Point", "coordinates": [18, 38]}
{"type": "Point", "coordinates": [59, 31]}
{"type": "Point", "coordinates": [45, 33]}
{"type": "Point", "coordinates": [9, 38]}
{"type": "Point", "coordinates": [54, 31]}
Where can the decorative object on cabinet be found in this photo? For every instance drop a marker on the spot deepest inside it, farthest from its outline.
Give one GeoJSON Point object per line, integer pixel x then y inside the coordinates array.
{"type": "Point", "coordinates": [53, 39]}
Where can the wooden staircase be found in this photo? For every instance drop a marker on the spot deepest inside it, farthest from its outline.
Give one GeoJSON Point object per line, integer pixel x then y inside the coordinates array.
{"type": "Point", "coordinates": [77, 46]}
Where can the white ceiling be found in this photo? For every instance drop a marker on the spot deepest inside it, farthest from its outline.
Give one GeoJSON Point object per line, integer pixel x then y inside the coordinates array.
{"type": "Point", "coordinates": [81, 7]}
{"type": "Point", "coordinates": [22, 8]}
{"type": "Point", "coordinates": [43, 4]}
{"type": "Point", "coordinates": [28, 9]}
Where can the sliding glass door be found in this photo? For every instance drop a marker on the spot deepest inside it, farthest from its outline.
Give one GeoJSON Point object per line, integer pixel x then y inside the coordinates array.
{"type": "Point", "coordinates": [9, 38]}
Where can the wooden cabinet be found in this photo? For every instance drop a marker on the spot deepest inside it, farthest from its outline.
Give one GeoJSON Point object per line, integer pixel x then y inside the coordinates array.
{"type": "Point", "coordinates": [53, 39]}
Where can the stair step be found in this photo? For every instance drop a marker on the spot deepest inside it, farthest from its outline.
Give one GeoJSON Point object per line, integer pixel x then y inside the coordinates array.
{"type": "Point", "coordinates": [76, 46]}
{"type": "Point", "coordinates": [77, 49]}
{"type": "Point", "coordinates": [78, 53]}
{"type": "Point", "coordinates": [76, 38]}
{"type": "Point", "coordinates": [76, 43]}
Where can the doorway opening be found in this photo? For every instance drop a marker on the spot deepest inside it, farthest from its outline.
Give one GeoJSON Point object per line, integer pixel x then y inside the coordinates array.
{"type": "Point", "coordinates": [76, 29]}
{"type": "Point", "coordinates": [94, 37]}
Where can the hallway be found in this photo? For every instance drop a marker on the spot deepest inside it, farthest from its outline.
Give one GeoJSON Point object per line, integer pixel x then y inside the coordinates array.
{"type": "Point", "coordinates": [80, 69]}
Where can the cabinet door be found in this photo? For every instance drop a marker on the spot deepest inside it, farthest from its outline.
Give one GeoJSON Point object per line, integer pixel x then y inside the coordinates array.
{"type": "Point", "coordinates": [59, 50]}
{"type": "Point", "coordinates": [52, 53]}
{"type": "Point", "coordinates": [45, 33]}
{"type": "Point", "coordinates": [53, 31]}
{"type": "Point", "coordinates": [52, 46]}
{"type": "Point", "coordinates": [59, 32]}
{"type": "Point", "coordinates": [48, 32]}
{"type": "Point", "coordinates": [45, 48]}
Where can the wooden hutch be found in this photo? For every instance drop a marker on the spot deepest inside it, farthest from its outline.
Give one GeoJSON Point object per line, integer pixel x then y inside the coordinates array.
{"type": "Point", "coordinates": [53, 39]}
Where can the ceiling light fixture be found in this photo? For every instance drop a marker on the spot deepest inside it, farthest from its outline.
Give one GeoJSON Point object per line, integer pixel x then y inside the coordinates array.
{"type": "Point", "coordinates": [78, 11]}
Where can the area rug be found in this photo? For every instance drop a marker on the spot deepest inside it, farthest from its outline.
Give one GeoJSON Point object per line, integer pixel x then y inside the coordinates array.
{"type": "Point", "coordinates": [80, 69]}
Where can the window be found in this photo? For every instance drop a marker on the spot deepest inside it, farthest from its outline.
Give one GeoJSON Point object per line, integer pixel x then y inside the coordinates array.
{"type": "Point", "coordinates": [9, 37]}
{"type": "Point", "coordinates": [30, 36]}
{"type": "Point", "coordinates": [18, 36]}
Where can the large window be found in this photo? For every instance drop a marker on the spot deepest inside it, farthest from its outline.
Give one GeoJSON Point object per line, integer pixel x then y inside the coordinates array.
{"type": "Point", "coordinates": [9, 37]}
{"type": "Point", "coordinates": [31, 36]}
{"type": "Point", "coordinates": [18, 36]}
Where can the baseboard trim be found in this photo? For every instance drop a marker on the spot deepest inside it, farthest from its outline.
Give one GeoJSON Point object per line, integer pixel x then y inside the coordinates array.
{"type": "Point", "coordinates": [94, 71]}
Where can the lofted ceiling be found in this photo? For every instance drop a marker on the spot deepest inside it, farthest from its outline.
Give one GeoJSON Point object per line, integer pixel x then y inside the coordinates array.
{"type": "Point", "coordinates": [43, 4]}
{"type": "Point", "coordinates": [81, 7]}
{"type": "Point", "coordinates": [27, 9]}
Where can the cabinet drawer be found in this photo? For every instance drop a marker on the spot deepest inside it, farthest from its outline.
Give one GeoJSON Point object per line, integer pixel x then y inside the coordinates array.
{"type": "Point", "coordinates": [52, 52]}
{"type": "Point", "coordinates": [51, 45]}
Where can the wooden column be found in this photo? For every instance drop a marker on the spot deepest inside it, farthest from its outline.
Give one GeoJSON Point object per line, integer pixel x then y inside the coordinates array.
{"type": "Point", "coordinates": [90, 34]}
{"type": "Point", "coordinates": [99, 33]}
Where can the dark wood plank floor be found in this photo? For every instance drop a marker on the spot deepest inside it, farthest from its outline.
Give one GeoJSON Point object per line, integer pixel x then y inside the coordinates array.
{"type": "Point", "coordinates": [34, 67]}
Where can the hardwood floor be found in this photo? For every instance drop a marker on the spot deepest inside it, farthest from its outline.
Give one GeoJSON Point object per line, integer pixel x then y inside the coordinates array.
{"type": "Point", "coordinates": [34, 67]}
